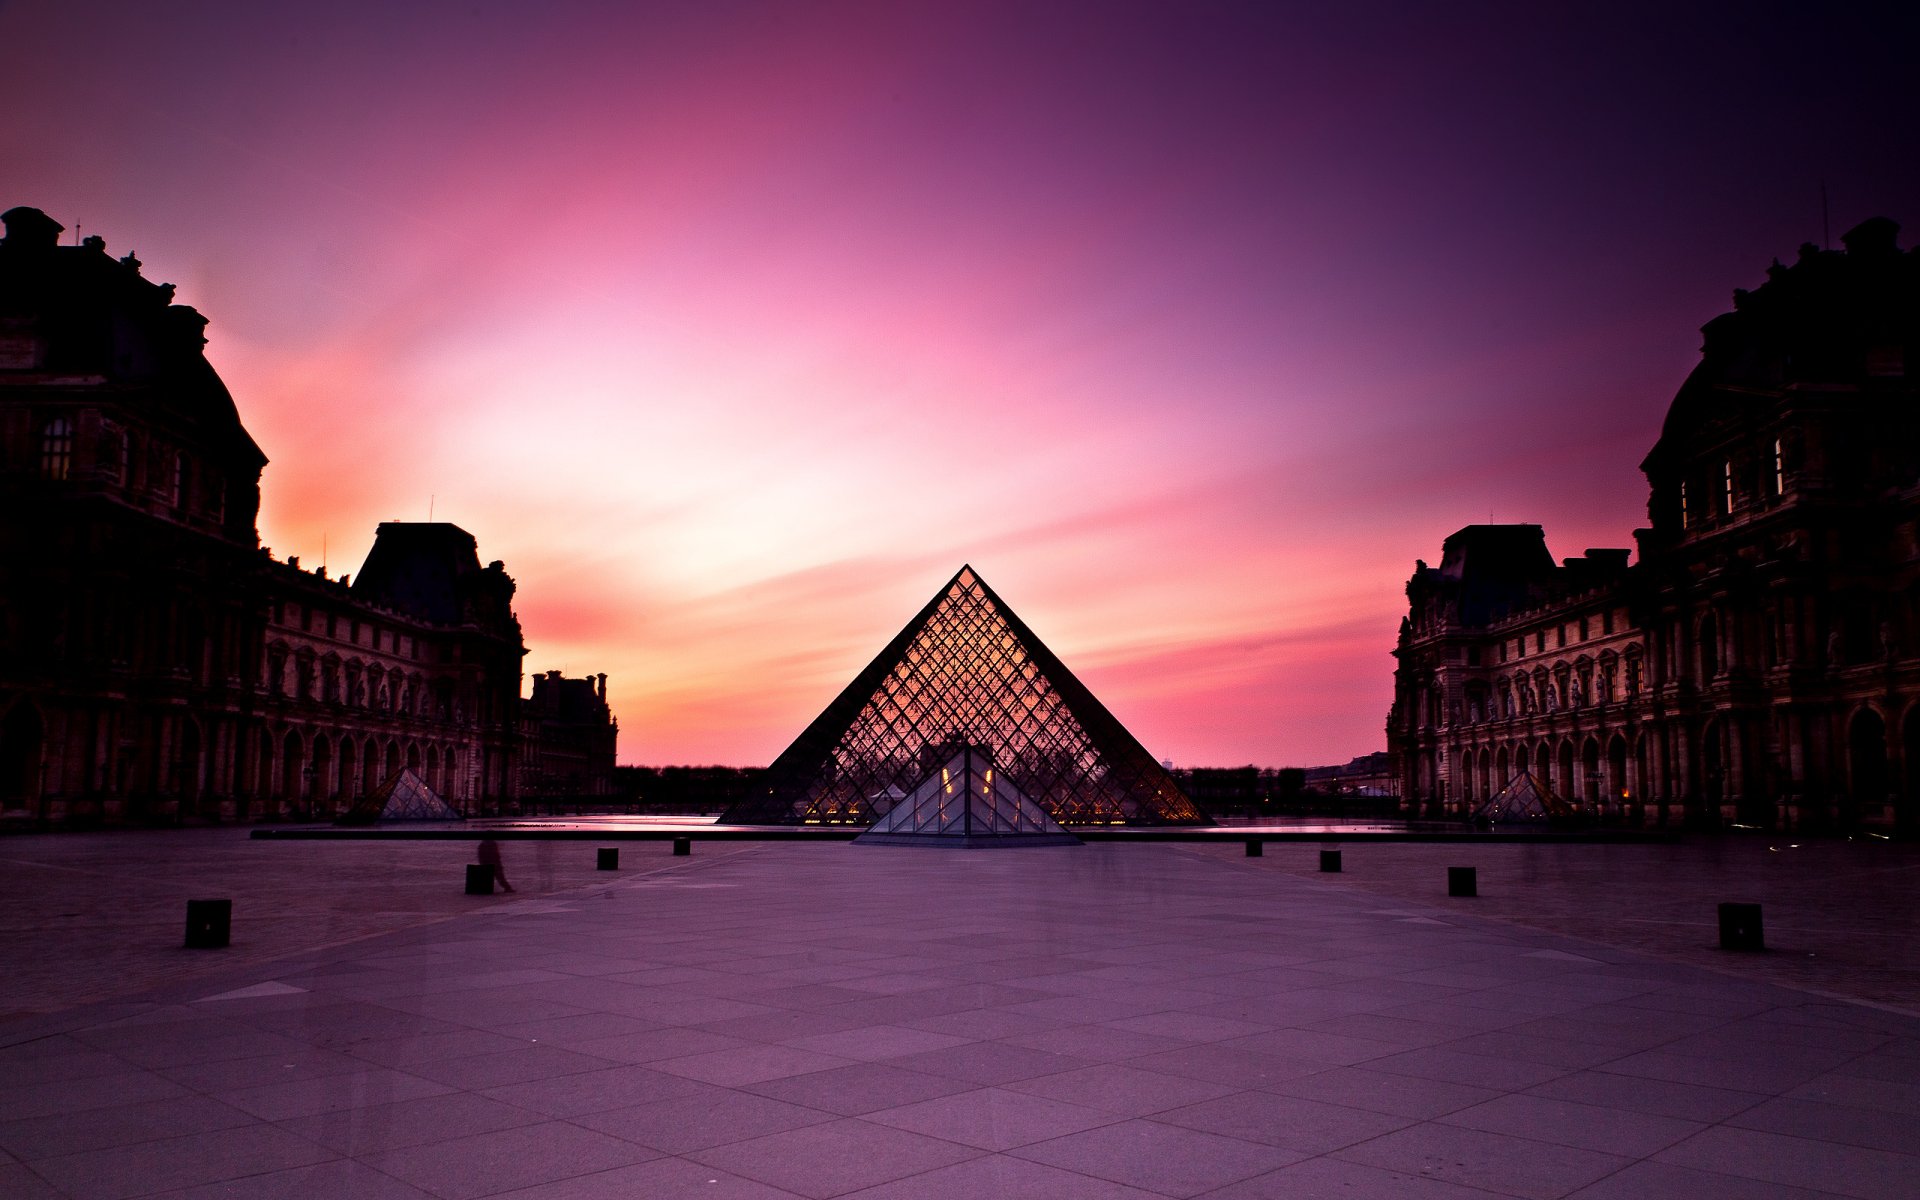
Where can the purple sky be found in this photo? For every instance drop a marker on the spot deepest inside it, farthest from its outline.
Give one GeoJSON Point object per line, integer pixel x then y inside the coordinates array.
{"type": "Point", "coordinates": [735, 328]}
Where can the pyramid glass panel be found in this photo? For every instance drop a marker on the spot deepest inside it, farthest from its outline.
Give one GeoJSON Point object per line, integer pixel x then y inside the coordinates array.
{"type": "Point", "coordinates": [966, 672]}
{"type": "Point", "coordinates": [966, 803]}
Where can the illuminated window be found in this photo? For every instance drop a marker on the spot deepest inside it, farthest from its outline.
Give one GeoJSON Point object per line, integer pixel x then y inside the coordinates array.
{"type": "Point", "coordinates": [1779, 469]}
{"type": "Point", "coordinates": [1726, 473]}
{"type": "Point", "coordinates": [56, 448]}
{"type": "Point", "coordinates": [1686, 517]}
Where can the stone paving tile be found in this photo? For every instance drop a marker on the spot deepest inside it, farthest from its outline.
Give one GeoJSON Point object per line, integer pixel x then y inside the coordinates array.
{"type": "Point", "coordinates": [875, 1042]}
{"type": "Point", "coordinates": [324, 1181]}
{"type": "Point", "coordinates": [356, 1132]}
{"type": "Point", "coordinates": [828, 1160]}
{"type": "Point", "coordinates": [1318, 1047]}
{"type": "Point", "coordinates": [1848, 1126]}
{"type": "Point", "coordinates": [1754, 1073]}
{"type": "Point", "coordinates": [476, 1071]}
{"type": "Point", "coordinates": [749, 1064]}
{"type": "Point", "coordinates": [1095, 1043]}
{"type": "Point", "coordinates": [1494, 1162]}
{"type": "Point", "coordinates": [984, 1024]}
{"type": "Point", "coordinates": [703, 1119]}
{"type": "Point", "coordinates": [1335, 1179]}
{"type": "Point", "coordinates": [1158, 1158]}
{"type": "Point", "coordinates": [52, 1097]}
{"type": "Point", "coordinates": [432, 1047]}
{"type": "Point", "coordinates": [594, 1091]}
{"type": "Point", "coordinates": [1289, 1122]}
{"type": "Point", "coordinates": [18, 1182]}
{"type": "Point", "coordinates": [1799, 1162]}
{"type": "Point", "coordinates": [659, 1179]}
{"type": "Point", "coordinates": [65, 1058]}
{"type": "Point", "coordinates": [136, 1170]}
{"type": "Point", "coordinates": [992, 1118]}
{"type": "Point", "coordinates": [1685, 1101]}
{"type": "Point", "coordinates": [1564, 1123]}
{"type": "Point", "coordinates": [1122, 1089]}
{"type": "Point", "coordinates": [1376, 1091]}
{"type": "Point", "coordinates": [861, 1088]}
{"type": "Point", "coordinates": [564, 1031]}
{"type": "Point", "coordinates": [1476, 1070]}
{"type": "Point", "coordinates": [988, 1062]}
{"type": "Point", "coordinates": [506, 1159]}
{"type": "Point", "coordinates": [1000, 1177]}
{"type": "Point", "coordinates": [1877, 1094]}
{"type": "Point", "coordinates": [1660, 1181]}
{"type": "Point", "coordinates": [1216, 1062]}
{"type": "Point", "coordinates": [236, 1074]}
{"type": "Point", "coordinates": [119, 1125]}
{"type": "Point", "coordinates": [330, 1093]}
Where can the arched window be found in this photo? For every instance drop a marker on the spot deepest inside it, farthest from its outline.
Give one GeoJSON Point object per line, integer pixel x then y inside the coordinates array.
{"type": "Point", "coordinates": [1779, 469]}
{"type": "Point", "coordinates": [56, 448]}
{"type": "Point", "coordinates": [1726, 474]}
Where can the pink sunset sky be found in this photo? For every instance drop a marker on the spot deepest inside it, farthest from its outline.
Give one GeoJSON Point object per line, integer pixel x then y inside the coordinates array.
{"type": "Point", "coordinates": [734, 329]}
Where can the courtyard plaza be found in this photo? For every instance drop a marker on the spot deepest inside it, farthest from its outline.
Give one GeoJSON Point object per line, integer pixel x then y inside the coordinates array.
{"type": "Point", "coordinates": [768, 1020]}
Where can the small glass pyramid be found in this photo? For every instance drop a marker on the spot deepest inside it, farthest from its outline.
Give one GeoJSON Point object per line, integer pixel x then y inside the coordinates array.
{"type": "Point", "coordinates": [967, 803]}
{"type": "Point", "coordinates": [403, 797]}
{"type": "Point", "coordinates": [966, 673]}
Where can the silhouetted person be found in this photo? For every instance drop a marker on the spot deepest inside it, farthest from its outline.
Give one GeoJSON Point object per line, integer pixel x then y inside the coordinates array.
{"type": "Point", "coordinates": [490, 857]}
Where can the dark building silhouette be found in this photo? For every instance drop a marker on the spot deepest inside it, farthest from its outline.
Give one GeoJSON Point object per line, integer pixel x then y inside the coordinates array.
{"type": "Point", "coordinates": [155, 662]}
{"type": "Point", "coordinates": [1760, 662]}
{"type": "Point", "coordinates": [568, 733]}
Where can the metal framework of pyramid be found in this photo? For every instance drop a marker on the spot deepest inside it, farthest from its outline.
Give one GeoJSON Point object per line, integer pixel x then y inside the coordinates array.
{"type": "Point", "coordinates": [403, 797]}
{"type": "Point", "coordinates": [966, 672]}
{"type": "Point", "coordinates": [966, 803]}
{"type": "Point", "coordinates": [1524, 800]}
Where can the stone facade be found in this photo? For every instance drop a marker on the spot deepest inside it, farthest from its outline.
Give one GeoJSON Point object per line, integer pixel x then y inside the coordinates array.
{"type": "Point", "coordinates": [156, 664]}
{"type": "Point", "coordinates": [1760, 663]}
{"type": "Point", "coordinates": [569, 734]}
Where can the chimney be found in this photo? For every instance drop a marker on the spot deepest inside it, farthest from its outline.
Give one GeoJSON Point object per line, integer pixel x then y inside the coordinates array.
{"type": "Point", "coordinates": [30, 229]}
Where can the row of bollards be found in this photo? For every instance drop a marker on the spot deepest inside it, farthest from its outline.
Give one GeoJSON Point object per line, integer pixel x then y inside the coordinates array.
{"type": "Point", "coordinates": [1740, 925]}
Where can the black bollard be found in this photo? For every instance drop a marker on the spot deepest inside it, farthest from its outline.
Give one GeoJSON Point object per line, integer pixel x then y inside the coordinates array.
{"type": "Point", "coordinates": [1740, 927]}
{"type": "Point", "coordinates": [683, 846]}
{"type": "Point", "coordinates": [1463, 881]}
{"type": "Point", "coordinates": [1330, 862]}
{"type": "Point", "coordinates": [1255, 847]}
{"type": "Point", "coordinates": [607, 859]}
{"type": "Point", "coordinates": [209, 924]}
{"type": "Point", "coordinates": [479, 879]}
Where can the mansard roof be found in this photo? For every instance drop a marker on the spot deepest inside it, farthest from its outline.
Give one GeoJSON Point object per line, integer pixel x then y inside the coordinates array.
{"type": "Point", "coordinates": [72, 316]}
{"type": "Point", "coordinates": [1843, 317]}
{"type": "Point", "coordinates": [431, 570]}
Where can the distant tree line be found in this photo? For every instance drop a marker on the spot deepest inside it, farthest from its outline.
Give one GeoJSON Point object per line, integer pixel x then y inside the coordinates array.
{"type": "Point", "coordinates": [1273, 792]}
{"type": "Point", "coordinates": [669, 790]}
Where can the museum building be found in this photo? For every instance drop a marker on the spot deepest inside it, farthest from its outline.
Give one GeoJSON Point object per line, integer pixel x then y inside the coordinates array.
{"type": "Point", "coordinates": [156, 663]}
{"type": "Point", "coordinates": [1759, 664]}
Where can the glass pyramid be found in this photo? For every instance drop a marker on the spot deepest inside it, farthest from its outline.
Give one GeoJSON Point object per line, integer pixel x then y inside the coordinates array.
{"type": "Point", "coordinates": [967, 803]}
{"type": "Point", "coordinates": [965, 673]}
{"type": "Point", "coordinates": [403, 797]}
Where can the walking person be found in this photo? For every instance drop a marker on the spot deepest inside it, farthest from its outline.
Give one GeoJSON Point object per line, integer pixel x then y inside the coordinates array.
{"type": "Point", "coordinates": [490, 857]}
